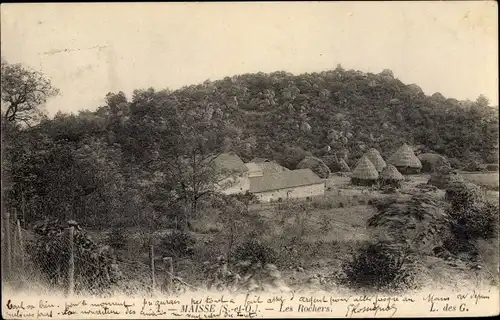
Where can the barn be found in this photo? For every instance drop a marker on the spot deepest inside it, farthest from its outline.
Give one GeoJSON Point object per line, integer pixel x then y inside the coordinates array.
{"type": "Point", "coordinates": [233, 174]}
{"type": "Point", "coordinates": [290, 184]}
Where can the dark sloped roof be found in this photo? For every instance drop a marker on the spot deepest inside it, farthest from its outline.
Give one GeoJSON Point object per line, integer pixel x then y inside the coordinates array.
{"type": "Point", "coordinates": [271, 167]}
{"type": "Point", "coordinates": [283, 180]}
{"type": "Point", "coordinates": [259, 160]}
{"type": "Point", "coordinates": [230, 162]}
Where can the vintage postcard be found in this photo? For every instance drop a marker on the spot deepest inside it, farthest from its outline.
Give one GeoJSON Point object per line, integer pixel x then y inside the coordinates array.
{"type": "Point", "coordinates": [249, 160]}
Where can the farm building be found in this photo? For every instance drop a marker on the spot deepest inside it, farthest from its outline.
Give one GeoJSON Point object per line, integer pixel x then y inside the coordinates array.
{"type": "Point", "coordinates": [270, 167]}
{"type": "Point", "coordinates": [233, 174]}
{"type": "Point", "coordinates": [376, 159]}
{"type": "Point", "coordinates": [405, 160]}
{"type": "Point", "coordinates": [365, 173]}
{"type": "Point", "coordinates": [301, 183]}
{"type": "Point", "coordinates": [263, 168]}
{"type": "Point", "coordinates": [254, 170]}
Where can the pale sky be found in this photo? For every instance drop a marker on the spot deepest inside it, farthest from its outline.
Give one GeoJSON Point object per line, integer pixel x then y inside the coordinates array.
{"type": "Point", "coordinates": [447, 47]}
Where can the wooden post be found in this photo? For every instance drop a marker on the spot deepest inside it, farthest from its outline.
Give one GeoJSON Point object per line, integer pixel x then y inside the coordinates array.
{"type": "Point", "coordinates": [169, 267]}
{"type": "Point", "coordinates": [14, 244]}
{"type": "Point", "coordinates": [23, 209]}
{"type": "Point", "coordinates": [8, 244]}
{"type": "Point", "coordinates": [20, 243]}
{"type": "Point", "coordinates": [71, 262]}
{"type": "Point", "coordinates": [152, 263]}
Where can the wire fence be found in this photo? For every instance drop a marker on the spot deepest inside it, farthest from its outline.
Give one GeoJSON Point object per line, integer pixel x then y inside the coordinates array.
{"type": "Point", "coordinates": [64, 259]}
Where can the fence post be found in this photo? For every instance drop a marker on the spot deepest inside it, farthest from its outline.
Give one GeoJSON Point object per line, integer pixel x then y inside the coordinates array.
{"type": "Point", "coordinates": [13, 245]}
{"type": "Point", "coordinates": [152, 264]}
{"type": "Point", "coordinates": [71, 262]}
{"type": "Point", "coordinates": [169, 267]}
{"type": "Point", "coordinates": [20, 243]}
{"type": "Point", "coordinates": [8, 244]}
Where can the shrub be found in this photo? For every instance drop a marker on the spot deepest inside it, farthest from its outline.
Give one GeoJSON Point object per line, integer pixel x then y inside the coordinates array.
{"type": "Point", "coordinates": [177, 244]}
{"type": "Point", "coordinates": [255, 251]}
{"type": "Point", "coordinates": [443, 176]}
{"type": "Point", "coordinates": [377, 266]}
{"type": "Point", "coordinates": [455, 163]}
{"type": "Point", "coordinates": [462, 194]}
{"type": "Point", "coordinates": [471, 217]}
{"type": "Point", "coordinates": [492, 167]}
{"type": "Point", "coordinates": [116, 238]}
{"type": "Point", "coordinates": [477, 221]}
{"type": "Point", "coordinates": [472, 162]}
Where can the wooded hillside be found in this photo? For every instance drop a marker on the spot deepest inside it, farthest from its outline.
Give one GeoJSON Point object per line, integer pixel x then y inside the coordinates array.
{"type": "Point", "coordinates": [142, 156]}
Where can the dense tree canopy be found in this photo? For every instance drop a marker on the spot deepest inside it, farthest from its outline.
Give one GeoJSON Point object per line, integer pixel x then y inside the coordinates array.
{"type": "Point", "coordinates": [148, 157]}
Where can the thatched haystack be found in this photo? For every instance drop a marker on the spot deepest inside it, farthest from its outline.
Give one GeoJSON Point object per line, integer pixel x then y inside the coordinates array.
{"type": "Point", "coordinates": [316, 165]}
{"type": "Point", "coordinates": [391, 176]}
{"type": "Point", "coordinates": [405, 160]}
{"type": "Point", "coordinates": [377, 160]}
{"type": "Point", "coordinates": [364, 173]}
{"type": "Point", "coordinates": [443, 176]}
{"type": "Point", "coordinates": [432, 161]}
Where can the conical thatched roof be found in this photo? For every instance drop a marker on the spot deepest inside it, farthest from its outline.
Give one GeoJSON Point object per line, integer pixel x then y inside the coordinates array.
{"type": "Point", "coordinates": [365, 170]}
{"type": "Point", "coordinates": [343, 166]}
{"type": "Point", "coordinates": [404, 157]}
{"type": "Point", "coordinates": [391, 173]}
{"type": "Point", "coordinates": [375, 158]}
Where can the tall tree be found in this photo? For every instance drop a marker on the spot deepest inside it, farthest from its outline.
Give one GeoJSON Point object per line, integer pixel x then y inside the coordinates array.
{"type": "Point", "coordinates": [23, 92]}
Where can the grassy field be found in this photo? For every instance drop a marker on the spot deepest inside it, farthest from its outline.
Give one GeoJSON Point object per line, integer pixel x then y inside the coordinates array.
{"type": "Point", "coordinates": [323, 236]}
{"type": "Point", "coordinates": [488, 180]}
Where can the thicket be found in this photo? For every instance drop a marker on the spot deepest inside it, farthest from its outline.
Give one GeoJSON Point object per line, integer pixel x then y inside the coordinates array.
{"type": "Point", "coordinates": [472, 217]}
{"type": "Point", "coordinates": [381, 267]}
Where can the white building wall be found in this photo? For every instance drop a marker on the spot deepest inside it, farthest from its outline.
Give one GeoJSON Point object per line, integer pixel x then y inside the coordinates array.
{"type": "Point", "coordinates": [234, 185]}
{"type": "Point", "coordinates": [292, 193]}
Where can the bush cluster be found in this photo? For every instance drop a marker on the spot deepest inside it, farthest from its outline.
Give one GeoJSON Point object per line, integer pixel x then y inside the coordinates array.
{"type": "Point", "coordinates": [95, 265]}
{"type": "Point", "coordinates": [177, 244]}
{"type": "Point", "coordinates": [255, 251]}
{"type": "Point", "coordinates": [471, 217]}
{"type": "Point", "coordinates": [376, 266]}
